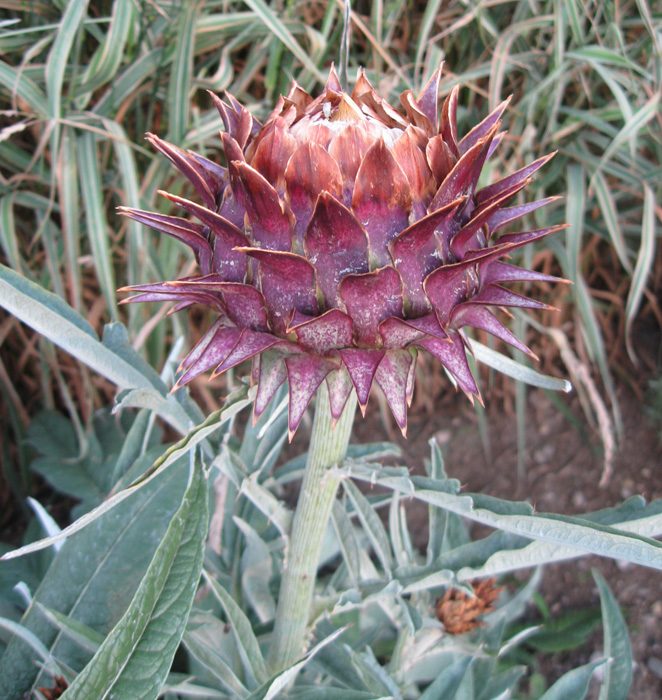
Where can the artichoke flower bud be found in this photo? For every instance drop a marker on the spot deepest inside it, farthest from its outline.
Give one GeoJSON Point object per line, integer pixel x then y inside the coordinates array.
{"type": "Point", "coordinates": [343, 238]}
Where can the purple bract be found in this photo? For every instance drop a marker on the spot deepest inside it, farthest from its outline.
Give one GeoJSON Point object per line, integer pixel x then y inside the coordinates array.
{"type": "Point", "coordinates": [342, 238]}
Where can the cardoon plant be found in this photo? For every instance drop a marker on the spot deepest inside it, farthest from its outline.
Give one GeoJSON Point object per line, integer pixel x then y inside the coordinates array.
{"type": "Point", "coordinates": [342, 238]}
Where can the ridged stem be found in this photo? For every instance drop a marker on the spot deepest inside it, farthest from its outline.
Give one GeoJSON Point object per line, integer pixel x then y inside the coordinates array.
{"type": "Point", "coordinates": [328, 447]}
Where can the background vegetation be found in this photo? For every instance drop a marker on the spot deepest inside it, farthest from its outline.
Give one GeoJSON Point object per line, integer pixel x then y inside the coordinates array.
{"type": "Point", "coordinates": [82, 81]}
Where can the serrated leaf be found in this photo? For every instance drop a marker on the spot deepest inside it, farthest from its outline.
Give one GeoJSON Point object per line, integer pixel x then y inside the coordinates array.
{"type": "Point", "coordinates": [617, 677]}
{"type": "Point", "coordinates": [134, 660]}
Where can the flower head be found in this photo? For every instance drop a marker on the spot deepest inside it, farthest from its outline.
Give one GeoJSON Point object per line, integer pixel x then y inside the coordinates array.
{"type": "Point", "coordinates": [342, 238]}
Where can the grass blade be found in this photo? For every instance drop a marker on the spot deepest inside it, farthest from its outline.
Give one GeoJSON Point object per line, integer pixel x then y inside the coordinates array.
{"type": "Point", "coordinates": [90, 184]}
{"type": "Point", "coordinates": [181, 76]}
{"type": "Point", "coordinates": [275, 25]}
{"type": "Point", "coordinates": [643, 267]}
{"type": "Point", "coordinates": [107, 59]}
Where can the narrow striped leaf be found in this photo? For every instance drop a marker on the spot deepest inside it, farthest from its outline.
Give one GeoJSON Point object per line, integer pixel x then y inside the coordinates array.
{"type": "Point", "coordinates": [108, 57]}
{"type": "Point", "coordinates": [275, 25]}
{"type": "Point", "coordinates": [630, 129]}
{"type": "Point", "coordinates": [572, 8]}
{"type": "Point", "coordinates": [18, 84]}
{"type": "Point", "coordinates": [605, 55]}
{"type": "Point", "coordinates": [424, 29]}
{"type": "Point", "coordinates": [501, 55]}
{"type": "Point", "coordinates": [90, 185]}
{"type": "Point", "coordinates": [575, 211]}
{"type": "Point", "coordinates": [643, 267]}
{"type": "Point", "coordinates": [130, 191]}
{"type": "Point", "coordinates": [58, 57]}
{"type": "Point", "coordinates": [125, 84]}
{"type": "Point", "coordinates": [575, 207]}
{"type": "Point", "coordinates": [8, 237]}
{"type": "Point", "coordinates": [69, 196]}
{"type": "Point", "coordinates": [611, 219]}
{"type": "Point", "coordinates": [181, 75]}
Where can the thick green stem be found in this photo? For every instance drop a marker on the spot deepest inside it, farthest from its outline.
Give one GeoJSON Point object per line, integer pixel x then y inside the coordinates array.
{"type": "Point", "coordinates": [328, 447]}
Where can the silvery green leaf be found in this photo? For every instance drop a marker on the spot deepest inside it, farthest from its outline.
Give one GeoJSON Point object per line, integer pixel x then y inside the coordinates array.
{"type": "Point", "coordinates": [326, 693]}
{"type": "Point", "coordinates": [284, 679]}
{"type": "Point", "coordinates": [582, 535]}
{"type": "Point", "coordinates": [629, 517]}
{"type": "Point", "coordinates": [268, 504]}
{"type": "Point", "coordinates": [184, 687]}
{"type": "Point", "coordinates": [22, 633]}
{"type": "Point", "coordinates": [247, 644]}
{"type": "Point", "coordinates": [396, 478]}
{"type": "Point", "coordinates": [447, 682]}
{"type": "Point", "coordinates": [51, 317]}
{"type": "Point", "coordinates": [445, 577]}
{"type": "Point", "coordinates": [372, 525]}
{"type": "Point", "coordinates": [373, 675]}
{"type": "Point", "coordinates": [93, 578]}
{"type": "Point", "coordinates": [134, 660]}
{"type": "Point", "coordinates": [256, 572]}
{"type": "Point", "coordinates": [180, 449]}
{"type": "Point", "coordinates": [347, 541]}
{"type": "Point", "coordinates": [617, 677]}
{"type": "Point", "coordinates": [209, 657]}
{"type": "Point", "coordinates": [293, 470]}
{"type": "Point", "coordinates": [501, 685]}
{"type": "Point", "coordinates": [574, 684]}
{"type": "Point", "coordinates": [397, 530]}
{"type": "Point", "coordinates": [516, 370]}
{"type": "Point", "coordinates": [86, 637]}
{"type": "Point", "coordinates": [50, 526]}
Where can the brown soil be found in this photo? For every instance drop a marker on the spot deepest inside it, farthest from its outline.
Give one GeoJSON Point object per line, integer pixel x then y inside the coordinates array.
{"type": "Point", "coordinates": [562, 474]}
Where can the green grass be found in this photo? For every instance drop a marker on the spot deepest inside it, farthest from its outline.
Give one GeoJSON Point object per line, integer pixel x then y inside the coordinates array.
{"type": "Point", "coordinates": [80, 83]}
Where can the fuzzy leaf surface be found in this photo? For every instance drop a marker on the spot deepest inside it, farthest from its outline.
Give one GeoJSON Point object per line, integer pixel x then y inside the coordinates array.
{"type": "Point", "coordinates": [134, 660]}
